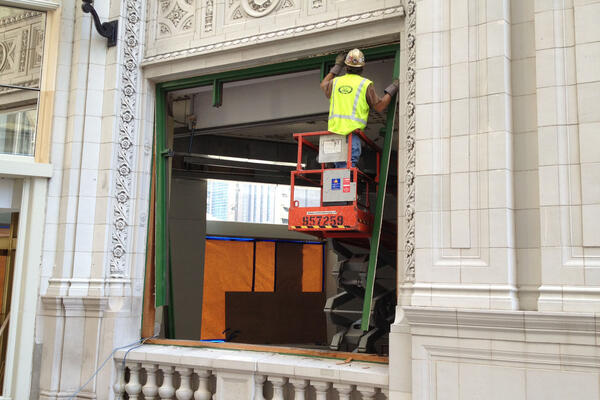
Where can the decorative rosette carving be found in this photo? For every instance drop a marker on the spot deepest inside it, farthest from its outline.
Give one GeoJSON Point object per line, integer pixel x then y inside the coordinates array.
{"type": "Point", "coordinates": [128, 132]}
{"type": "Point", "coordinates": [409, 212]}
{"type": "Point", "coordinates": [259, 8]}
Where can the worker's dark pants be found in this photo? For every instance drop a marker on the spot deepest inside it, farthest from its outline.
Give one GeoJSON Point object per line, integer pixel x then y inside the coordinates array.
{"type": "Point", "coordinates": [356, 151]}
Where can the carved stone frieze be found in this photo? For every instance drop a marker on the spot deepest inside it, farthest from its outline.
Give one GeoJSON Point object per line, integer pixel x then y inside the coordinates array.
{"type": "Point", "coordinates": [12, 19]}
{"type": "Point", "coordinates": [259, 8]}
{"type": "Point", "coordinates": [209, 16]}
{"type": "Point", "coordinates": [127, 134]}
{"type": "Point", "coordinates": [250, 9]}
{"type": "Point", "coordinates": [21, 48]}
{"type": "Point", "coordinates": [317, 3]}
{"type": "Point", "coordinates": [409, 244]}
{"type": "Point", "coordinates": [7, 55]}
{"type": "Point", "coordinates": [276, 34]}
{"type": "Point", "coordinates": [175, 17]}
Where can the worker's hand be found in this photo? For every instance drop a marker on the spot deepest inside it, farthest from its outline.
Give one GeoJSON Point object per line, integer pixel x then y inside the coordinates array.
{"type": "Point", "coordinates": [339, 64]}
{"type": "Point", "coordinates": [393, 88]}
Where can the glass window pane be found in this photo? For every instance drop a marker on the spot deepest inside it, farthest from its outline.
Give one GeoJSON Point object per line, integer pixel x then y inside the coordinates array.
{"type": "Point", "coordinates": [18, 127]}
{"type": "Point", "coordinates": [261, 203]}
{"type": "Point", "coordinates": [21, 46]}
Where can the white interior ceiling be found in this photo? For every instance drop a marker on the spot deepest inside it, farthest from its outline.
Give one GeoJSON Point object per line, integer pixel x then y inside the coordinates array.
{"type": "Point", "coordinates": [271, 108]}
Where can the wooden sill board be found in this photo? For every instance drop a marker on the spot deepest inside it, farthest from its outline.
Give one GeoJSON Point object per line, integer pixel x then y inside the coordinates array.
{"type": "Point", "coordinates": [274, 349]}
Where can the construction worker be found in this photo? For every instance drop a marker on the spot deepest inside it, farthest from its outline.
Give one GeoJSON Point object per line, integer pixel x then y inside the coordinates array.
{"type": "Point", "coordinates": [351, 96]}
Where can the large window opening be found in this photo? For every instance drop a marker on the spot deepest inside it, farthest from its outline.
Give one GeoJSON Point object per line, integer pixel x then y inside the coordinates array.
{"type": "Point", "coordinates": [227, 267]}
{"type": "Point", "coordinates": [21, 55]}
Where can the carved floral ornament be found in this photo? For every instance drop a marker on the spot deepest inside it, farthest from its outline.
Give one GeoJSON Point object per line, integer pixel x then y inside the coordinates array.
{"type": "Point", "coordinates": [259, 8]}
{"type": "Point", "coordinates": [175, 16]}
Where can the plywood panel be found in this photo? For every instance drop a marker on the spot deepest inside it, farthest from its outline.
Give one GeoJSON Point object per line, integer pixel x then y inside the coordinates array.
{"type": "Point", "coordinates": [312, 268]}
{"type": "Point", "coordinates": [264, 267]}
{"type": "Point", "coordinates": [227, 267]}
{"type": "Point", "coordinates": [286, 316]}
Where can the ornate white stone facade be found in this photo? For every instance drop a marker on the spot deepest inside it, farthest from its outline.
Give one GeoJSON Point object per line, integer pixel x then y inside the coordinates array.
{"type": "Point", "coordinates": [500, 170]}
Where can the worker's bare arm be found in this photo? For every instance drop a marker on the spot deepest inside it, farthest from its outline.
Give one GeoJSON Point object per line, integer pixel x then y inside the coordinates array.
{"type": "Point", "coordinates": [326, 84]}
{"type": "Point", "coordinates": [382, 105]}
{"type": "Point", "coordinates": [375, 102]}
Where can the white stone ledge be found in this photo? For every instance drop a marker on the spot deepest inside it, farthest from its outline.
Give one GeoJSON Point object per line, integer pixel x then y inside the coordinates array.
{"type": "Point", "coordinates": [21, 167]}
{"type": "Point", "coordinates": [41, 5]}
{"type": "Point", "coordinates": [261, 363]}
{"type": "Point", "coordinates": [529, 326]}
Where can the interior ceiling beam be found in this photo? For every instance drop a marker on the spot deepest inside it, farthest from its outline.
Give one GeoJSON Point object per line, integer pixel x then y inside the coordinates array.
{"type": "Point", "coordinates": [203, 159]}
{"type": "Point", "coordinates": [237, 127]}
{"type": "Point", "coordinates": [272, 178]}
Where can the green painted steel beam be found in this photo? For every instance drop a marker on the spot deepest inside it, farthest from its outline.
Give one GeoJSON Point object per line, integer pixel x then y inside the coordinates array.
{"type": "Point", "coordinates": [307, 64]}
{"type": "Point", "coordinates": [381, 189]}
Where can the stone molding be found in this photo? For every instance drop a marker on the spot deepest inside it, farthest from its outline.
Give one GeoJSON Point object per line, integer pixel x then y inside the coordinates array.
{"type": "Point", "coordinates": [530, 326]}
{"type": "Point", "coordinates": [80, 306]}
{"type": "Point", "coordinates": [27, 14]}
{"type": "Point", "coordinates": [475, 296]}
{"type": "Point", "coordinates": [409, 173]}
{"type": "Point", "coordinates": [555, 298]}
{"type": "Point", "coordinates": [277, 35]}
{"type": "Point", "coordinates": [531, 359]}
{"type": "Point", "coordinates": [127, 135]}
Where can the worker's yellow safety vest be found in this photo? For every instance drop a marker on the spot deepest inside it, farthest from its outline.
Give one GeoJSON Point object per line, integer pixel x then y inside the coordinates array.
{"type": "Point", "coordinates": [348, 108]}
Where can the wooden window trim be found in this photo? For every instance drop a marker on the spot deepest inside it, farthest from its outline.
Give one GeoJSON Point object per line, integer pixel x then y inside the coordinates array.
{"type": "Point", "coordinates": [43, 138]}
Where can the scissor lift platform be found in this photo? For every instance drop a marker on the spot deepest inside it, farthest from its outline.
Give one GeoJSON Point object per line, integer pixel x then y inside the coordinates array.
{"type": "Point", "coordinates": [350, 218]}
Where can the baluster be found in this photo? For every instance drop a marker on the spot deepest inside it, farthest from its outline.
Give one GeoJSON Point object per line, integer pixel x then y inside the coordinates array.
{"type": "Point", "coordinates": [133, 387]}
{"type": "Point", "coordinates": [278, 383]}
{"type": "Point", "coordinates": [167, 391]}
{"type": "Point", "coordinates": [185, 391]}
{"type": "Point", "coordinates": [119, 386]}
{"type": "Point", "coordinates": [202, 393]}
{"type": "Point", "coordinates": [321, 388]}
{"type": "Point", "coordinates": [259, 383]}
{"type": "Point", "coordinates": [343, 390]}
{"type": "Point", "coordinates": [299, 388]}
{"type": "Point", "coordinates": [367, 392]}
{"type": "Point", "coordinates": [150, 389]}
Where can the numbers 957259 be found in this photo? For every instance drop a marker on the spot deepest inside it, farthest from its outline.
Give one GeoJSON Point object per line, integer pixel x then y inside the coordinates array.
{"type": "Point", "coordinates": [323, 220]}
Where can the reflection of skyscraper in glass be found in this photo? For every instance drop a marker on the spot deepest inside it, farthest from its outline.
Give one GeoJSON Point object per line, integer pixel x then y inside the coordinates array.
{"type": "Point", "coordinates": [217, 199]}
{"type": "Point", "coordinates": [260, 203]}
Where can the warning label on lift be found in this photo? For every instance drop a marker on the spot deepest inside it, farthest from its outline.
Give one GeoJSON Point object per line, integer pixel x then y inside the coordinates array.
{"type": "Point", "coordinates": [335, 184]}
{"type": "Point", "coordinates": [321, 212]}
{"type": "Point", "coordinates": [346, 185]}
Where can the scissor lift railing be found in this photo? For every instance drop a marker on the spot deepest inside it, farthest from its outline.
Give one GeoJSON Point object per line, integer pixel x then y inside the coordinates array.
{"type": "Point", "coordinates": [353, 220]}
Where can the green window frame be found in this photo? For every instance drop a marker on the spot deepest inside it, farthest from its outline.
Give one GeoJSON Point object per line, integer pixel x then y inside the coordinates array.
{"type": "Point", "coordinates": [162, 152]}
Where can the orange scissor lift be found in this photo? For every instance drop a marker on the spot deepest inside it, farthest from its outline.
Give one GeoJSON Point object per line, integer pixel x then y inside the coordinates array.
{"type": "Point", "coordinates": [352, 219]}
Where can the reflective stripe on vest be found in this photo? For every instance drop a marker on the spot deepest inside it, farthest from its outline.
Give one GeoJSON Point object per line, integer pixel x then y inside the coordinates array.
{"type": "Point", "coordinates": [355, 120]}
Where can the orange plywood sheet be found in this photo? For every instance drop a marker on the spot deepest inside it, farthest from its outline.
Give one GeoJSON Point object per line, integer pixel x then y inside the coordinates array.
{"type": "Point", "coordinates": [264, 278]}
{"type": "Point", "coordinates": [227, 268]}
{"type": "Point", "coordinates": [312, 268]}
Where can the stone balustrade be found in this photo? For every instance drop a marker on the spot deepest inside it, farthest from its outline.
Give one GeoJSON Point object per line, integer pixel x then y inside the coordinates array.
{"type": "Point", "coordinates": [153, 372]}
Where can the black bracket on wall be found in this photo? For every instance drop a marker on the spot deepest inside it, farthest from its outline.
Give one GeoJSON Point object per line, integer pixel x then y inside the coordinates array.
{"type": "Point", "coordinates": [107, 29]}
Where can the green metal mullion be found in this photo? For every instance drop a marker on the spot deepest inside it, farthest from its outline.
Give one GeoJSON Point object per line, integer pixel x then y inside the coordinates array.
{"type": "Point", "coordinates": [323, 71]}
{"type": "Point", "coordinates": [217, 93]}
{"type": "Point", "coordinates": [381, 189]}
{"type": "Point", "coordinates": [161, 201]}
